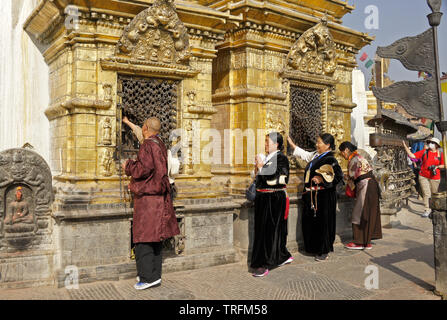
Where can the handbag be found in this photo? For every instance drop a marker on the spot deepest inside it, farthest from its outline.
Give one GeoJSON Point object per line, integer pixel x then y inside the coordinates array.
{"type": "Point", "coordinates": [250, 193]}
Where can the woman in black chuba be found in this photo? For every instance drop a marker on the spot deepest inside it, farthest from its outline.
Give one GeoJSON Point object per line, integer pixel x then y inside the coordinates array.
{"type": "Point", "coordinates": [271, 208]}
{"type": "Point", "coordinates": [321, 176]}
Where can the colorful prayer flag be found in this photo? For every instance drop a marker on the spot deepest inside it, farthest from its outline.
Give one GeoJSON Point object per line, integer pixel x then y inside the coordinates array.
{"type": "Point", "coordinates": [427, 123]}
{"type": "Point", "coordinates": [363, 57]}
{"type": "Point", "coordinates": [369, 63]}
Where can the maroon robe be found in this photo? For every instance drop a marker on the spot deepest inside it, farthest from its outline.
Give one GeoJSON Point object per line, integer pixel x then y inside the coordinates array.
{"type": "Point", "coordinates": [154, 218]}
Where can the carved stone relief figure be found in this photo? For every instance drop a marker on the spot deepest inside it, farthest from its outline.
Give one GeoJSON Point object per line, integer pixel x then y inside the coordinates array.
{"type": "Point", "coordinates": [18, 168]}
{"type": "Point", "coordinates": [35, 178]}
{"type": "Point", "coordinates": [107, 91]}
{"type": "Point", "coordinates": [191, 97]}
{"type": "Point", "coordinates": [5, 177]}
{"type": "Point", "coordinates": [106, 161]}
{"type": "Point", "coordinates": [106, 131]}
{"type": "Point", "coordinates": [25, 192]}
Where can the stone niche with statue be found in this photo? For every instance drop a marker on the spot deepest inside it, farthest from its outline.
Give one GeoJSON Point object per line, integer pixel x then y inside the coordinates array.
{"type": "Point", "coordinates": [26, 196]}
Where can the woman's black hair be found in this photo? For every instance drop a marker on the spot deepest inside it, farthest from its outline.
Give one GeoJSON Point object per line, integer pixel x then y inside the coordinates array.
{"type": "Point", "coordinates": [327, 138]}
{"type": "Point", "coordinates": [347, 145]}
{"type": "Point", "coordinates": [276, 137]}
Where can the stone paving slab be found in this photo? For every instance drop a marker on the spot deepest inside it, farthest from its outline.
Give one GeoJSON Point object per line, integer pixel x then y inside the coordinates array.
{"type": "Point", "coordinates": [404, 258]}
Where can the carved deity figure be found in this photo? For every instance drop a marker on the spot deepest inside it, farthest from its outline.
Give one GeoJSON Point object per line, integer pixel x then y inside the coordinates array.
{"type": "Point", "coordinates": [314, 51]}
{"type": "Point", "coordinates": [4, 178]}
{"type": "Point", "coordinates": [19, 211]}
{"type": "Point", "coordinates": [106, 162]}
{"type": "Point", "coordinates": [18, 169]}
{"type": "Point", "coordinates": [192, 97]}
{"type": "Point", "coordinates": [157, 34]}
{"type": "Point", "coordinates": [35, 178]}
{"type": "Point", "coordinates": [106, 132]}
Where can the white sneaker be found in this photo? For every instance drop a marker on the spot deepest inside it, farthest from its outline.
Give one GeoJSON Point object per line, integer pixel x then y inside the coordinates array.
{"type": "Point", "coordinates": [286, 262]}
{"type": "Point", "coordinates": [425, 214]}
{"type": "Point", "coordinates": [137, 278]}
{"type": "Point", "coordinates": [145, 285]}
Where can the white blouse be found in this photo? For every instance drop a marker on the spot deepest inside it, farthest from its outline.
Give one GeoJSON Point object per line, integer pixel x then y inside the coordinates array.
{"type": "Point", "coordinates": [305, 155]}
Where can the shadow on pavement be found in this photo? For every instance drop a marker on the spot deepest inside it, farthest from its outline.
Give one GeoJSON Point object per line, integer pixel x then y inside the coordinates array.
{"type": "Point", "coordinates": [419, 254]}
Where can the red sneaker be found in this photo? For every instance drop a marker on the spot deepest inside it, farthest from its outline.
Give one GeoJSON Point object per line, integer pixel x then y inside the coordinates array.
{"type": "Point", "coordinates": [368, 246]}
{"type": "Point", "coordinates": [353, 246]}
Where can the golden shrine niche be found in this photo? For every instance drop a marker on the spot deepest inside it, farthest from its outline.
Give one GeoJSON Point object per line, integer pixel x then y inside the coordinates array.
{"type": "Point", "coordinates": [201, 66]}
{"type": "Point", "coordinates": [310, 67]}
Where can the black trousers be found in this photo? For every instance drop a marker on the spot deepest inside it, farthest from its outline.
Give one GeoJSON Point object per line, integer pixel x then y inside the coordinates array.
{"type": "Point", "coordinates": [148, 259]}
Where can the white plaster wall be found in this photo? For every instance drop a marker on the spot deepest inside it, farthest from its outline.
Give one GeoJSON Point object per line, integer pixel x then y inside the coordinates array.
{"type": "Point", "coordinates": [359, 134]}
{"type": "Point", "coordinates": [444, 104]}
{"type": "Point", "coordinates": [23, 82]}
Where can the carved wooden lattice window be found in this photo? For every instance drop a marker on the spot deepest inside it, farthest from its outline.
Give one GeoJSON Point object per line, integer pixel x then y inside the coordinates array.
{"type": "Point", "coordinates": [305, 117]}
{"type": "Point", "coordinates": [142, 98]}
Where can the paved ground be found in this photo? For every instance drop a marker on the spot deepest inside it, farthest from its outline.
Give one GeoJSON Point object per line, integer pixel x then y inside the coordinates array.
{"type": "Point", "coordinates": [404, 260]}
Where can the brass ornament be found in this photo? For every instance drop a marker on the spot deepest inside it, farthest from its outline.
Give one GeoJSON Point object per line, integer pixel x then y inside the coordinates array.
{"type": "Point", "coordinates": [156, 35]}
{"type": "Point", "coordinates": [314, 52]}
{"type": "Point", "coordinates": [275, 123]}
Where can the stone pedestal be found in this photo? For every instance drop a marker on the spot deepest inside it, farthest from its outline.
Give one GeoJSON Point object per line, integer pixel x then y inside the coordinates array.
{"type": "Point", "coordinates": [438, 204]}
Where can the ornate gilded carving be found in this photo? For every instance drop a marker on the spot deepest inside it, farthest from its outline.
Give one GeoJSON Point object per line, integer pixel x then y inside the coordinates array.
{"type": "Point", "coordinates": [187, 165]}
{"type": "Point", "coordinates": [155, 44]}
{"type": "Point", "coordinates": [106, 131]}
{"type": "Point", "coordinates": [203, 108]}
{"type": "Point", "coordinates": [25, 194]}
{"type": "Point", "coordinates": [314, 52]}
{"type": "Point", "coordinates": [156, 34]}
{"type": "Point", "coordinates": [106, 161]}
{"type": "Point", "coordinates": [275, 123]}
{"type": "Point", "coordinates": [337, 130]}
{"type": "Point", "coordinates": [107, 91]}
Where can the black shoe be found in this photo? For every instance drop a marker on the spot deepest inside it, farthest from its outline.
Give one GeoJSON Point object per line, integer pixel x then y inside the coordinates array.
{"type": "Point", "coordinates": [322, 257]}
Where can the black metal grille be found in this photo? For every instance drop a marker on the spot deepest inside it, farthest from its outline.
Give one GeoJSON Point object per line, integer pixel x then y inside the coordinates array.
{"type": "Point", "coordinates": [144, 98]}
{"type": "Point", "coordinates": [305, 117]}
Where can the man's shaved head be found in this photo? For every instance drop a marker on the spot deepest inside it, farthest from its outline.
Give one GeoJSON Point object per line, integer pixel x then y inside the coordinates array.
{"type": "Point", "coordinates": [153, 124]}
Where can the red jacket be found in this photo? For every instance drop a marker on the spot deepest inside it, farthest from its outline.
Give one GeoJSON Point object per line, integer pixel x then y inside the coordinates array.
{"type": "Point", "coordinates": [154, 217]}
{"type": "Point", "coordinates": [430, 159]}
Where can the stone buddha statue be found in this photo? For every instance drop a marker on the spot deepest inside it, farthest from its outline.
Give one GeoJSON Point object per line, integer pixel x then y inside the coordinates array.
{"type": "Point", "coordinates": [19, 211]}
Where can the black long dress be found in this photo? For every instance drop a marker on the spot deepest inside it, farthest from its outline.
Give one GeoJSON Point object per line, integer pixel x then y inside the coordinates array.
{"type": "Point", "coordinates": [270, 224]}
{"type": "Point", "coordinates": [319, 227]}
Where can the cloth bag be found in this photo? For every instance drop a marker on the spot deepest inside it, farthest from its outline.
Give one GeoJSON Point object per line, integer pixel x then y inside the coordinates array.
{"type": "Point", "coordinates": [250, 193]}
{"type": "Point", "coordinates": [349, 192]}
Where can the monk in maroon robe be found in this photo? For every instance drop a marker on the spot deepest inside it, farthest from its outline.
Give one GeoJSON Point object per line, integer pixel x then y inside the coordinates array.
{"type": "Point", "coordinates": [154, 217]}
